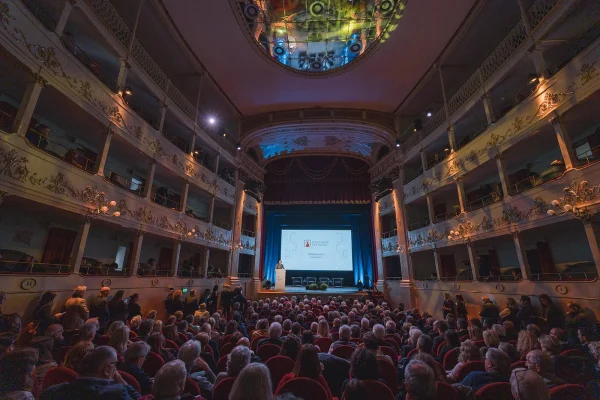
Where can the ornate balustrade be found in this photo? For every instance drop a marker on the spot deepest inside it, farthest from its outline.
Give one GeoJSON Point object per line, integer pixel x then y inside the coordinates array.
{"type": "Point", "coordinates": [29, 172]}
{"type": "Point", "coordinates": [576, 81]}
{"type": "Point", "coordinates": [389, 246]}
{"type": "Point", "coordinates": [523, 211]}
{"type": "Point", "coordinates": [42, 51]}
{"type": "Point", "coordinates": [250, 205]}
{"type": "Point", "coordinates": [386, 204]}
{"type": "Point", "coordinates": [248, 243]}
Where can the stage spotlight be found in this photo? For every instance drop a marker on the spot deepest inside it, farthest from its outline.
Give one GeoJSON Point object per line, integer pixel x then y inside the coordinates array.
{"type": "Point", "coordinates": [398, 143]}
{"type": "Point", "coordinates": [533, 78]}
{"type": "Point", "coordinates": [428, 113]}
{"type": "Point", "coordinates": [239, 147]}
{"type": "Point", "coordinates": [127, 91]}
{"type": "Point", "coordinates": [211, 120]}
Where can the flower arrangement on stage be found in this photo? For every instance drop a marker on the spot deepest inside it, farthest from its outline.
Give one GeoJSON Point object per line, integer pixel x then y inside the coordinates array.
{"type": "Point", "coordinates": [316, 286]}
{"type": "Point", "coordinates": [267, 284]}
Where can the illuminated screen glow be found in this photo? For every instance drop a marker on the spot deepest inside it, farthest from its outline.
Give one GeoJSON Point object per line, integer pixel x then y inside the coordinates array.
{"type": "Point", "coordinates": [316, 250]}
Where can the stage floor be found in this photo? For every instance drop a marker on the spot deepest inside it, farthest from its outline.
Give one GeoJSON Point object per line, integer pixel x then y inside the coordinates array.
{"type": "Point", "coordinates": [299, 290]}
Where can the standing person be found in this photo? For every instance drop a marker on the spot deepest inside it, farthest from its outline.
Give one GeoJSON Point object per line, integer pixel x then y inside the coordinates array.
{"type": "Point", "coordinates": [133, 308]}
{"type": "Point", "coordinates": [191, 303]}
{"type": "Point", "coordinates": [43, 312]}
{"type": "Point", "coordinates": [511, 310]}
{"type": "Point", "coordinates": [213, 300]}
{"type": "Point", "coordinates": [226, 303]}
{"type": "Point", "coordinates": [448, 307]}
{"type": "Point", "coordinates": [169, 304]}
{"type": "Point", "coordinates": [99, 308]}
{"type": "Point", "coordinates": [552, 313]}
{"type": "Point", "coordinates": [526, 313]}
{"type": "Point", "coordinates": [177, 302]}
{"type": "Point", "coordinates": [117, 307]}
{"type": "Point", "coordinates": [76, 310]}
{"type": "Point", "coordinates": [489, 311]}
{"type": "Point", "coordinates": [238, 297]}
{"type": "Point", "coordinates": [461, 308]}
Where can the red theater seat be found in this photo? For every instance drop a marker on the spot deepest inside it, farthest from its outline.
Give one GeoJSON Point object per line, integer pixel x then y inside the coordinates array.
{"type": "Point", "coordinates": [495, 391]}
{"type": "Point", "coordinates": [57, 375]}
{"type": "Point", "coordinates": [469, 367]}
{"type": "Point", "coordinates": [323, 344]}
{"type": "Point", "coordinates": [279, 366]}
{"type": "Point", "coordinates": [222, 389]}
{"type": "Point", "coordinates": [304, 388]}
{"type": "Point", "coordinates": [153, 363]}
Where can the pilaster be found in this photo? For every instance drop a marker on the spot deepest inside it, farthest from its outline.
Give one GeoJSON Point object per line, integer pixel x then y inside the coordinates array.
{"type": "Point", "coordinates": [28, 103]}
{"type": "Point", "coordinates": [136, 252]}
{"type": "Point", "coordinates": [502, 174]}
{"type": "Point", "coordinates": [64, 16]}
{"type": "Point", "coordinates": [460, 187]}
{"type": "Point", "coordinates": [104, 152]}
{"type": "Point", "coordinates": [452, 139]}
{"type": "Point", "coordinates": [79, 245]}
{"type": "Point", "coordinates": [430, 211]}
{"type": "Point", "coordinates": [149, 179]}
{"type": "Point", "coordinates": [377, 238]}
{"type": "Point", "coordinates": [473, 260]}
{"type": "Point", "coordinates": [175, 257]}
{"type": "Point", "coordinates": [522, 256]}
{"type": "Point", "coordinates": [590, 233]}
{"type": "Point", "coordinates": [438, 263]}
{"type": "Point", "coordinates": [488, 107]}
{"type": "Point", "coordinates": [424, 160]}
{"type": "Point", "coordinates": [123, 72]}
{"type": "Point", "coordinates": [564, 142]}
{"type": "Point", "coordinates": [184, 195]}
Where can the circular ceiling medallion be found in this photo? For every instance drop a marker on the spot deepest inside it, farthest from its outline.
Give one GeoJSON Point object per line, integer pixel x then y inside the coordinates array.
{"type": "Point", "coordinates": [456, 286]}
{"type": "Point", "coordinates": [154, 282]}
{"type": "Point", "coordinates": [28, 284]}
{"type": "Point", "coordinates": [500, 287]}
{"type": "Point", "coordinates": [337, 33]}
{"type": "Point", "coordinates": [106, 282]}
{"type": "Point", "coordinates": [562, 289]}
{"type": "Point", "coordinates": [190, 282]}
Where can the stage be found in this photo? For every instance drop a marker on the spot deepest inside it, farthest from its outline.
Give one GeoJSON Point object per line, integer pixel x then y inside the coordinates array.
{"type": "Point", "coordinates": [299, 291]}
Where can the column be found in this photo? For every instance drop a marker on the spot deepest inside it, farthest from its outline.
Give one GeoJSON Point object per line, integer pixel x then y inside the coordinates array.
{"type": "Point", "coordinates": [525, 17]}
{"type": "Point", "coordinates": [136, 251]}
{"type": "Point", "coordinates": [438, 263]}
{"type": "Point", "coordinates": [134, 29]}
{"type": "Point", "coordinates": [473, 260]}
{"type": "Point", "coordinates": [452, 139]}
{"type": "Point", "coordinates": [401, 222]}
{"type": "Point", "coordinates": [122, 78]}
{"type": "Point", "coordinates": [489, 108]}
{"type": "Point", "coordinates": [522, 256]}
{"type": "Point", "coordinates": [28, 103]}
{"type": "Point", "coordinates": [104, 152]}
{"type": "Point", "coordinates": [503, 176]}
{"type": "Point", "coordinates": [217, 159]}
{"type": "Point", "coordinates": [564, 142]}
{"type": "Point", "coordinates": [163, 114]}
{"type": "Point", "coordinates": [536, 53]}
{"type": "Point", "coordinates": [192, 143]}
{"type": "Point", "coordinates": [175, 257]}
{"type": "Point", "coordinates": [79, 245]}
{"type": "Point", "coordinates": [378, 252]}
{"type": "Point", "coordinates": [198, 97]}
{"type": "Point", "coordinates": [211, 209]}
{"type": "Point", "coordinates": [206, 258]}
{"type": "Point", "coordinates": [460, 187]}
{"type": "Point", "coordinates": [184, 196]}
{"type": "Point", "coordinates": [236, 228]}
{"type": "Point", "coordinates": [149, 179]}
{"type": "Point", "coordinates": [430, 208]}
{"type": "Point", "coordinates": [256, 278]}
{"type": "Point", "coordinates": [424, 160]}
{"type": "Point", "coordinates": [64, 17]}
{"type": "Point", "coordinates": [593, 241]}
{"type": "Point", "coordinates": [444, 93]}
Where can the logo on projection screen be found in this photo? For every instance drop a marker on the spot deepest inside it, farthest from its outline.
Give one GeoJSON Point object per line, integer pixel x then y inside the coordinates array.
{"type": "Point", "coordinates": [307, 243]}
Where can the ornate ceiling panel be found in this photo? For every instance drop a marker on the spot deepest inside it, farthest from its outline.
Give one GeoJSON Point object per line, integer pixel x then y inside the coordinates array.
{"type": "Point", "coordinates": [317, 36]}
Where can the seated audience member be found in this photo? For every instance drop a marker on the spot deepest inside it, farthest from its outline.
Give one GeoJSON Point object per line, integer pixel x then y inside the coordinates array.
{"type": "Point", "coordinates": [491, 341]}
{"type": "Point", "coordinates": [371, 343]}
{"type": "Point", "coordinates": [344, 339]}
{"type": "Point", "coordinates": [355, 331]}
{"type": "Point", "coordinates": [156, 341]}
{"type": "Point", "coordinates": [189, 353]}
{"type": "Point", "coordinates": [135, 322]}
{"type": "Point", "coordinates": [468, 352]}
{"type": "Point", "coordinates": [440, 327]}
{"type": "Point", "coordinates": [7, 343]}
{"type": "Point", "coordinates": [475, 332]}
{"type": "Point", "coordinates": [335, 371]}
{"type": "Point", "coordinates": [43, 345]}
{"type": "Point", "coordinates": [419, 380]}
{"type": "Point", "coordinates": [98, 378]}
{"type": "Point", "coordinates": [262, 329]}
{"type": "Point", "coordinates": [511, 332]}
{"type": "Point", "coordinates": [363, 366]}
{"type": "Point", "coordinates": [307, 365]}
{"type": "Point", "coordinates": [145, 329]}
{"type": "Point", "coordinates": [550, 345]}
{"type": "Point", "coordinates": [16, 369]}
{"type": "Point", "coordinates": [253, 383]}
{"type": "Point", "coordinates": [134, 359]}
{"type": "Point", "coordinates": [295, 332]}
{"type": "Point", "coordinates": [87, 332]}
{"type": "Point", "coordinates": [56, 332]}
{"type": "Point", "coordinates": [462, 326]}
{"type": "Point", "coordinates": [356, 390]}
{"type": "Point", "coordinates": [440, 374]}
{"type": "Point", "coordinates": [237, 360]}
{"type": "Point", "coordinates": [593, 387]}
{"type": "Point", "coordinates": [540, 362]}
{"type": "Point", "coordinates": [290, 348]}
{"type": "Point", "coordinates": [527, 341]}
{"type": "Point", "coordinates": [75, 355]}
{"type": "Point", "coordinates": [170, 333]}
{"type": "Point", "coordinates": [425, 344]}
{"type": "Point", "coordinates": [275, 331]}
{"type": "Point", "coordinates": [497, 369]}
{"type": "Point", "coordinates": [452, 341]}
{"type": "Point", "coordinates": [114, 326]}
{"type": "Point", "coordinates": [119, 340]}
{"type": "Point", "coordinates": [413, 336]}
{"type": "Point", "coordinates": [169, 381]}
{"type": "Point", "coordinates": [535, 329]}
{"type": "Point", "coordinates": [527, 385]}
{"type": "Point", "coordinates": [323, 329]}
{"type": "Point", "coordinates": [206, 328]}
{"type": "Point", "coordinates": [510, 350]}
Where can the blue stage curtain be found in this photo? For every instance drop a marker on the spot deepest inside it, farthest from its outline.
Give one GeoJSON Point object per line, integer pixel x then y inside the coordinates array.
{"type": "Point", "coordinates": [355, 217]}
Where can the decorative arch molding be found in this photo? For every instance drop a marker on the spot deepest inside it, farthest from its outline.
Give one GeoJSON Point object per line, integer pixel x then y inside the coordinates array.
{"type": "Point", "coordinates": [338, 138]}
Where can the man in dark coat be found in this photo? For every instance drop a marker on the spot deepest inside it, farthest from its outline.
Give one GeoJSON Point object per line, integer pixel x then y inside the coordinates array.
{"type": "Point", "coordinates": [99, 308]}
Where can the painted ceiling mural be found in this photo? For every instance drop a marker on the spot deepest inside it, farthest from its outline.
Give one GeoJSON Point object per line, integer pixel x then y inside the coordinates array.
{"type": "Point", "coordinates": [317, 36]}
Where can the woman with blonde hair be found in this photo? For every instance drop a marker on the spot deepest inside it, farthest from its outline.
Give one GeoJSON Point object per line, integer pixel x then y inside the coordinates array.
{"type": "Point", "coordinates": [114, 326]}
{"type": "Point", "coordinates": [75, 355]}
{"type": "Point", "coordinates": [135, 322]}
{"type": "Point", "coordinates": [526, 342]}
{"type": "Point", "coordinates": [468, 352]}
{"type": "Point", "coordinates": [253, 383]}
{"type": "Point", "coordinates": [158, 326]}
{"type": "Point", "coordinates": [119, 340]}
{"type": "Point", "coordinates": [323, 329]}
{"type": "Point", "coordinates": [491, 340]}
{"type": "Point", "coordinates": [511, 310]}
{"type": "Point", "coordinates": [156, 341]}
{"type": "Point", "coordinates": [475, 333]}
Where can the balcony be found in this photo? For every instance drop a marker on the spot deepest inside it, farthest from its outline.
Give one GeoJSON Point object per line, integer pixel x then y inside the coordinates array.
{"type": "Point", "coordinates": [389, 243]}
{"type": "Point", "coordinates": [386, 204]}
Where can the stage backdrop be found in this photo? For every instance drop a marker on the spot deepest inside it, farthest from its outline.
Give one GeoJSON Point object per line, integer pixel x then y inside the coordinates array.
{"type": "Point", "coordinates": [357, 218]}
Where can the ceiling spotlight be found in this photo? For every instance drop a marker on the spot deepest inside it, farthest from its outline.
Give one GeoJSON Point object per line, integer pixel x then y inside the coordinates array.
{"type": "Point", "coordinates": [211, 121]}
{"type": "Point", "coordinates": [428, 113]}
{"type": "Point", "coordinates": [239, 147]}
{"type": "Point", "coordinates": [224, 134]}
{"type": "Point", "coordinates": [533, 78]}
{"type": "Point", "coordinates": [127, 91]}
{"type": "Point", "coordinates": [397, 143]}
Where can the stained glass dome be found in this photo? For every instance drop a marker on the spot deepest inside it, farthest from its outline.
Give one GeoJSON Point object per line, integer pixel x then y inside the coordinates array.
{"type": "Point", "coordinates": [317, 36]}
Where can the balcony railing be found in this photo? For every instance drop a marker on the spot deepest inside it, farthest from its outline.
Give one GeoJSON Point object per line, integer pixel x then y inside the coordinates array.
{"type": "Point", "coordinates": [534, 181]}
{"type": "Point", "coordinates": [6, 120]}
{"type": "Point", "coordinates": [565, 276]}
{"type": "Point", "coordinates": [127, 184]}
{"type": "Point", "coordinates": [165, 201]}
{"type": "Point", "coordinates": [33, 267]}
{"type": "Point", "coordinates": [151, 272]}
{"type": "Point", "coordinates": [484, 201]}
{"type": "Point", "coordinates": [575, 48]}
{"type": "Point", "coordinates": [589, 156]}
{"type": "Point", "coordinates": [246, 232]}
{"type": "Point", "coordinates": [417, 225]}
{"type": "Point", "coordinates": [183, 146]}
{"type": "Point", "coordinates": [389, 234]}
{"type": "Point", "coordinates": [222, 224]}
{"type": "Point", "coordinates": [195, 214]}
{"type": "Point", "coordinates": [190, 272]}
{"type": "Point", "coordinates": [74, 157]}
{"type": "Point", "coordinates": [472, 135]}
{"type": "Point", "coordinates": [102, 270]}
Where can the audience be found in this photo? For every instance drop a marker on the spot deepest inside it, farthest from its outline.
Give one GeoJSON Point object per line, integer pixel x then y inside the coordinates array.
{"type": "Point", "coordinates": [307, 365]}
{"type": "Point", "coordinates": [169, 381]}
{"type": "Point", "coordinates": [134, 359]}
{"type": "Point", "coordinates": [16, 369]}
{"type": "Point", "coordinates": [237, 360]}
{"type": "Point", "coordinates": [253, 383]}
{"type": "Point", "coordinates": [497, 369]}
{"type": "Point", "coordinates": [527, 385]}
{"type": "Point", "coordinates": [419, 380]}
{"type": "Point", "coordinates": [468, 352]}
